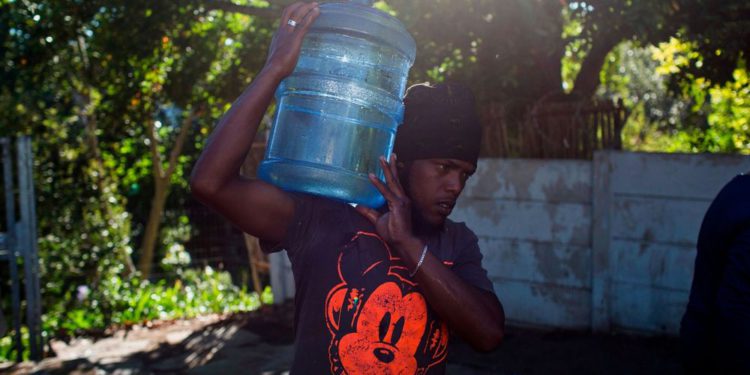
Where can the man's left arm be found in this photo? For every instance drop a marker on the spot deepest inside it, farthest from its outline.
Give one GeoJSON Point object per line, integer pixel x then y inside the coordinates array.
{"type": "Point", "coordinates": [476, 315]}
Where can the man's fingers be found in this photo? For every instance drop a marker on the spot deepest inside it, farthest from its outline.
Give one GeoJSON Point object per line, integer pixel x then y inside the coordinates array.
{"type": "Point", "coordinates": [309, 17]}
{"type": "Point", "coordinates": [394, 172]}
{"type": "Point", "coordinates": [289, 11]}
{"type": "Point", "coordinates": [369, 213]}
{"type": "Point", "coordinates": [387, 193]}
{"type": "Point", "coordinates": [386, 171]}
{"type": "Point", "coordinates": [391, 178]}
{"type": "Point", "coordinates": [299, 13]}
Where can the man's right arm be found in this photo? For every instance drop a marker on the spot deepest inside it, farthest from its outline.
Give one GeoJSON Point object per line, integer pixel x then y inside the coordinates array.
{"type": "Point", "coordinates": [256, 207]}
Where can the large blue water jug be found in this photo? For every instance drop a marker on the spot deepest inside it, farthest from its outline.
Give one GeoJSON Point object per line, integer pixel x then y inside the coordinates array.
{"type": "Point", "coordinates": [339, 110]}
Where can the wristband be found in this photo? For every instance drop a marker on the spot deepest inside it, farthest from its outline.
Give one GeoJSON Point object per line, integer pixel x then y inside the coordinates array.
{"type": "Point", "coordinates": [419, 263]}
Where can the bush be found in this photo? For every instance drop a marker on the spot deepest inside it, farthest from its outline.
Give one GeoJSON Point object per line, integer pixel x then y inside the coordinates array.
{"type": "Point", "coordinates": [118, 302]}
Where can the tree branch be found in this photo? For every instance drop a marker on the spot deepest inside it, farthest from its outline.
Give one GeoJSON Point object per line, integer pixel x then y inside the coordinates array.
{"type": "Point", "coordinates": [155, 157]}
{"type": "Point", "coordinates": [226, 5]}
{"type": "Point", "coordinates": [588, 80]}
{"type": "Point", "coordinates": [179, 142]}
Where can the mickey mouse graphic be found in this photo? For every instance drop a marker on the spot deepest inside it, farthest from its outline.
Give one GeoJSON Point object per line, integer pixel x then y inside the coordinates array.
{"type": "Point", "coordinates": [379, 321]}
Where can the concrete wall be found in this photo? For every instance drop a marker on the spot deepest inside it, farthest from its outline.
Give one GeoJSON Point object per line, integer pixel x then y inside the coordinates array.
{"type": "Point", "coordinates": [607, 244]}
{"type": "Point", "coordinates": [533, 220]}
{"type": "Point", "coordinates": [643, 260]}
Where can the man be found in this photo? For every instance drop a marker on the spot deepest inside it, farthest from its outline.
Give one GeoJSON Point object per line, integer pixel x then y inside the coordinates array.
{"type": "Point", "coordinates": [715, 330]}
{"type": "Point", "coordinates": [376, 290]}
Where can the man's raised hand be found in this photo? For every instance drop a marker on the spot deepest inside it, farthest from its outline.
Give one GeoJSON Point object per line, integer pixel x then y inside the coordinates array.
{"type": "Point", "coordinates": [394, 226]}
{"type": "Point", "coordinates": [287, 41]}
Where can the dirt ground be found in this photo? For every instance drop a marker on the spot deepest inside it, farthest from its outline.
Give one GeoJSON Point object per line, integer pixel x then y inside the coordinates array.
{"type": "Point", "coordinates": [261, 343]}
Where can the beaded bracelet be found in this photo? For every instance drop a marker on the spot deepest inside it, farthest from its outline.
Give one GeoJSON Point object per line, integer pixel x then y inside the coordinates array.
{"type": "Point", "coordinates": [421, 260]}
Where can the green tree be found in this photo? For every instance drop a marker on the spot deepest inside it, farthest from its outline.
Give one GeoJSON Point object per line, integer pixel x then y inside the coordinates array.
{"type": "Point", "coordinates": [46, 90]}
{"type": "Point", "coordinates": [515, 52]}
{"type": "Point", "coordinates": [109, 88]}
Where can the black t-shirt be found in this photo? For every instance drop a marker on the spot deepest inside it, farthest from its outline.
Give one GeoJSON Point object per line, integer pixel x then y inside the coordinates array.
{"type": "Point", "coordinates": [715, 329]}
{"type": "Point", "coordinates": [357, 311]}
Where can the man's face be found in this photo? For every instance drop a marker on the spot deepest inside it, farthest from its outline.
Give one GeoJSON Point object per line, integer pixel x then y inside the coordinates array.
{"type": "Point", "coordinates": [434, 185]}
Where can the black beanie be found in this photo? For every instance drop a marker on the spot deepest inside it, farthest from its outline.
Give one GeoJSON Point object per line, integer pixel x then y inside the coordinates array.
{"type": "Point", "coordinates": [440, 122]}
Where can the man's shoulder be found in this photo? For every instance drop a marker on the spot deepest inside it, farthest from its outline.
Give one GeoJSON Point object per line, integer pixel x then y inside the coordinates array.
{"type": "Point", "coordinates": [319, 201]}
{"type": "Point", "coordinates": [326, 211]}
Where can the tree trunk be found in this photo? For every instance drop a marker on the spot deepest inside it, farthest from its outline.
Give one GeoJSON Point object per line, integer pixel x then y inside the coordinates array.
{"type": "Point", "coordinates": [162, 179]}
{"type": "Point", "coordinates": [148, 244]}
{"type": "Point", "coordinates": [588, 80]}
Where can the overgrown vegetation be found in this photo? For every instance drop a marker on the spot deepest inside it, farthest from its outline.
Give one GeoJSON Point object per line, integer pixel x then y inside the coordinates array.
{"type": "Point", "coordinates": [119, 302]}
{"type": "Point", "coordinates": [697, 116]}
